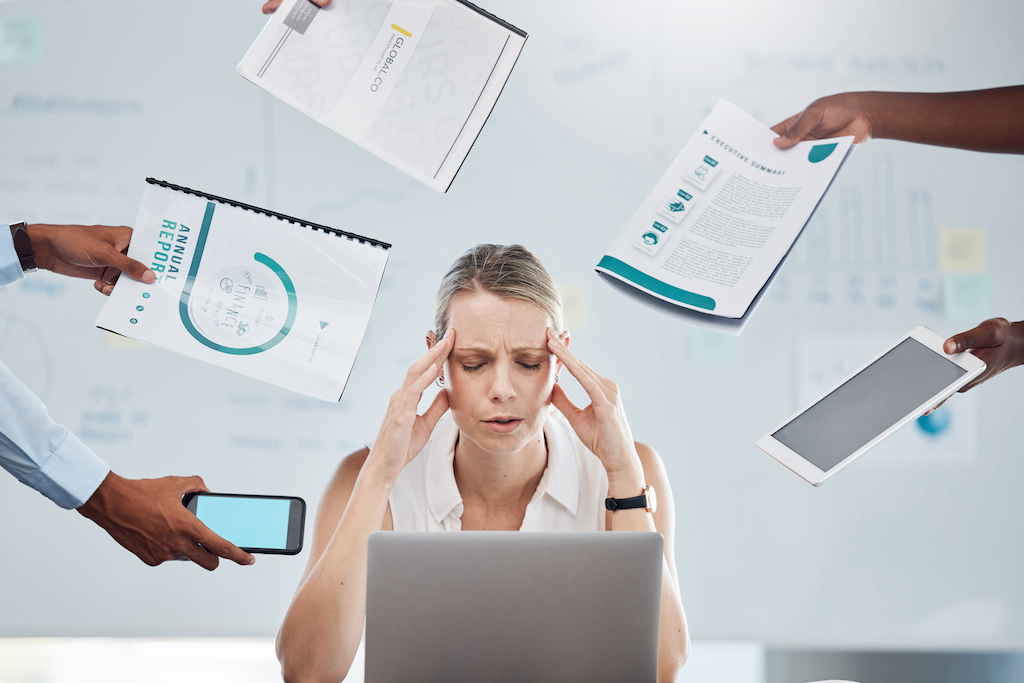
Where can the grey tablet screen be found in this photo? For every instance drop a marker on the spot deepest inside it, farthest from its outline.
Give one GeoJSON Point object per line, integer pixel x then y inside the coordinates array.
{"type": "Point", "coordinates": [868, 403]}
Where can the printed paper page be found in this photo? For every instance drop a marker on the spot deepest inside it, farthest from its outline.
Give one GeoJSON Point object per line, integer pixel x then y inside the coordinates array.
{"type": "Point", "coordinates": [411, 80]}
{"type": "Point", "coordinates": [724, 215]}
{"type": "Point", "coordinates": [270, 299]}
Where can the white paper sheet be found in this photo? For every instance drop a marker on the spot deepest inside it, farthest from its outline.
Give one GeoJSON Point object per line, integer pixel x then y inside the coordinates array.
{"type": "Point", "coordinates": [268, 298]}
{"type": "Point", "coordinates": [412, 81]}
{"type": "Point", "coordinates": [722, 219]}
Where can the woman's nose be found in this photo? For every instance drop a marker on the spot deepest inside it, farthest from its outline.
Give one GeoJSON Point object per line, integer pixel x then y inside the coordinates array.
{"type": "Point", "coordinates": [502, 388]}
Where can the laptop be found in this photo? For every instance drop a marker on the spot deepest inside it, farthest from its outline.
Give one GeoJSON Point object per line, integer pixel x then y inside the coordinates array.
{"type": "Point", "coordinates": [513, 607]}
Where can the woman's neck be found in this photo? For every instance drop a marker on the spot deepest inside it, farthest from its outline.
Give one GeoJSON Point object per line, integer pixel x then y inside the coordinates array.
{"type": "Point", "coordinates": [499, 481]}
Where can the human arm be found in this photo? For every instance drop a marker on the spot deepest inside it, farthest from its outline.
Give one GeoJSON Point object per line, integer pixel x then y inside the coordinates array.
{"type": "Point", "coordinates": [980, 120]}
{"type": "Point", "coordinates": [144, 516]}
{"type": "Point", "coordinates": [602, 427]}
{"type": "Point", "coordinates": [998, 342]}
{"type": "Point", "coordinates": [95, 252]}
{"type": "Point", "coordinates": [147, 518]}
{"type": "Point", "coordinates": [323, 625]}
{"type": "Point", "coordinates": [271, 6]}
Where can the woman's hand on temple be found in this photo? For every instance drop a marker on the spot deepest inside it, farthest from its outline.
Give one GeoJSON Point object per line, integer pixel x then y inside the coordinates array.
{"type": "Point", "coordinates": [602, 425]}
{"type": "Point", "coordinates": [404, 433]}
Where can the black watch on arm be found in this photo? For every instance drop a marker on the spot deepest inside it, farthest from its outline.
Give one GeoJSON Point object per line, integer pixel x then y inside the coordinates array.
{"type": "Point", "coordinates": [646, 500]}
{"type": "Point", "coordinates": [23, 247]}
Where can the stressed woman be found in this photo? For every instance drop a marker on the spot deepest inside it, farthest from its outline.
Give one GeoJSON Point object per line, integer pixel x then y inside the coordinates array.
{"type": "Point", "coordinates": [501, 447]}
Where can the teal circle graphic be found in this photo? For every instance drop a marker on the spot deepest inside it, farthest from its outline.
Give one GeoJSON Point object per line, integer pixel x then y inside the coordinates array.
{"type": "Point", "coordinates": [936, 423]}
{"type": "Point", "coordinates": [145, 295]}
{"type": "Point", "coordinates": [134, 320]}
{"type": "Point", "coordinates": [821, 152]}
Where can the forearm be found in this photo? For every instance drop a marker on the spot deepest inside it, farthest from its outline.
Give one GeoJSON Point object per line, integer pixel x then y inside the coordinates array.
{"type": "Point", "coordinates": [981, 120]}
{"type": "Point", "coordinates": [673, 635]}
{"type": "Point", "coordinates": [321, 631]}
{"type": "Point", "coordinates": [674, 638]}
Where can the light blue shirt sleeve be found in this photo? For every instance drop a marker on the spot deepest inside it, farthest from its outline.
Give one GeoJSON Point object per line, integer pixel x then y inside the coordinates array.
{"type": "Point", "coordinates": [41, 453]}
{"type": "Point", "coordinates": [10, 265]}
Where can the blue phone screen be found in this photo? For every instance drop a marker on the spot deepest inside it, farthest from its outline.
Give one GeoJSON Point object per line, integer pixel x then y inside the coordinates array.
{"type": "Point", "coordinates": [246, 522]}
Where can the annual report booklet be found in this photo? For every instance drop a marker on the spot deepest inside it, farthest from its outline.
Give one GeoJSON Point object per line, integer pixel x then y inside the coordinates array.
{"type": "Point", "coordinates": [707, 242]}
{"type": "Point", "coordinates": [266, 295]}
{"type": "Point", "coordinates": [412, 81]}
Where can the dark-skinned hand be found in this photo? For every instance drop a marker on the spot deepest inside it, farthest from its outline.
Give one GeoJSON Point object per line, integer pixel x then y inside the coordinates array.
{"type": "Point", "coordinates": [94, 252]}
{"type": "Point", "coordinates": [147, 518]}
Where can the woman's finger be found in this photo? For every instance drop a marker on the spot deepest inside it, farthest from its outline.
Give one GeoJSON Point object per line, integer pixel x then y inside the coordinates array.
{"type": "Point", "coordinates": [435, 355]}
{"type": "Point", "coordinates": [577, 368]}
{"type": "Point", "coordinates": [414, 392]}
{"type": "Point", "coordinates": [564, 404]}
{"type": "Point", "coordinates": [437, 408]}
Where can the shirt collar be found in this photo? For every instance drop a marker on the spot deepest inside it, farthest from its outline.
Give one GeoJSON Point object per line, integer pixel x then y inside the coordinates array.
{"type": "Point", "coordinates": [560, 481]}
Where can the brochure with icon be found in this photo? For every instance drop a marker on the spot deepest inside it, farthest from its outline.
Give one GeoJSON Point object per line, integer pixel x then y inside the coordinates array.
{"type": "Point", "coordinates": [266, 295]}
{"type": "Point", "coordinates": [412, 81]}
{"type": "Point", "coordinates": [708, 241]}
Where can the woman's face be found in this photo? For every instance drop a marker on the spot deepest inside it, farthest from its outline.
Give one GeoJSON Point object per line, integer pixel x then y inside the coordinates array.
{"type": "Point", "coordinates": [500, 374]}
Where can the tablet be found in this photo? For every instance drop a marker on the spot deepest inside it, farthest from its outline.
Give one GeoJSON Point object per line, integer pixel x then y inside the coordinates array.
{"type": "Point", "coordinates": [899, 385]}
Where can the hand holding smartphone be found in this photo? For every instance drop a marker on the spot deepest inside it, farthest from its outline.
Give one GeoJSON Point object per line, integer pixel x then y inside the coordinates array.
{"type": "Point", "coordinates": [271, 525]}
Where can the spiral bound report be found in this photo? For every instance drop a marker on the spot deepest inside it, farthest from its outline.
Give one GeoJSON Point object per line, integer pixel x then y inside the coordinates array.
{"type": "Point", "coordinates": [266, 295]}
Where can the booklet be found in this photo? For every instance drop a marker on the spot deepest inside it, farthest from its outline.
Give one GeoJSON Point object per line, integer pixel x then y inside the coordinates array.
{"type": "Point", "coordinates": [707, 242]}
{"type": "Point", "coordinates": [266, 295]}
{"type": "Point", "coordinates": [412, 81]}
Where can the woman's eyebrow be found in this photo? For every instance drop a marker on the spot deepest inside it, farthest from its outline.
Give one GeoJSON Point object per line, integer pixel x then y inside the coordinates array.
{"type": "Point", "coordinates": [471, 349]}
{"type": "Point", "coordinates": [526, 348]}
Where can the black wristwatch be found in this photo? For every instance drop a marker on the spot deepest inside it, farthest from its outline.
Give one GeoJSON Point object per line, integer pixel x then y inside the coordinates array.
{"type": "Point", "coordinates": [647, 500]}
{"type": "Point", "coordinates": [23, 246]}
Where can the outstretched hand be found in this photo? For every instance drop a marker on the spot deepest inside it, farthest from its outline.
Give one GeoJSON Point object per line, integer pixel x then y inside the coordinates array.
{"type": "Point", "coordinates": [998, 342]}
{"type": "Point", "coordinates": [147, 518]}
{"type": "Point", "coordinates": [602, 425]}
{"type": "Point", "coordinates": [96, 252]}
{"type": "Point", "coordinates": [828, 117]}
{"type": "Point", "coordinates": [272, 5]}
{"type": "Point", "coordinates": [403, 433]}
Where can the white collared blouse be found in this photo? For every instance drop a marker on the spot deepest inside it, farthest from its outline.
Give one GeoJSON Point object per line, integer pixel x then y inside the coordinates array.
{"type": "Point", "coordinates": [569, 497]}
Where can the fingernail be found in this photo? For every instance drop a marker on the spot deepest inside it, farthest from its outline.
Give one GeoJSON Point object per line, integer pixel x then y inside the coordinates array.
{"type": "Point", "coordinates": [148, 276]}
{"type": "Point", "coordinates": [252, 560]}
{"type": "Point", "coordinates": [448, 333]}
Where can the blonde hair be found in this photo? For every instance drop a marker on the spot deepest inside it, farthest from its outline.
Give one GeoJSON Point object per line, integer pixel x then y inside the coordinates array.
{"type": "Point", "coordinates": [508, 272]}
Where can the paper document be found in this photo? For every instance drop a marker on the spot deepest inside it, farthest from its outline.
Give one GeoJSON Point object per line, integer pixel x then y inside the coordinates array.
{"type": "Point", "coordinates": [708, 240]}
{"type": "Point", "coordinates": [412, 81]}
{"type": "Point", "coordinates": [265, 295]}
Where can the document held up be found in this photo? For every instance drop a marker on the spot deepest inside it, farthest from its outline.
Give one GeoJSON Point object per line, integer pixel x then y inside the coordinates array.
{"type": "Point", "coordinates": [715, 230]}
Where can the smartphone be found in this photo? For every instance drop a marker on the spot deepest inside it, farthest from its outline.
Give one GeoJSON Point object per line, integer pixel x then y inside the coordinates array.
{"type": "Point", "coordinates": [256, 524]}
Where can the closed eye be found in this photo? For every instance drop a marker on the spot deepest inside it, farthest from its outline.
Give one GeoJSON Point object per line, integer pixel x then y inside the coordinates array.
{"type": "Point", "coordinates": [471, 368]}
{"type": "Point", "coordinates": [531, 367]}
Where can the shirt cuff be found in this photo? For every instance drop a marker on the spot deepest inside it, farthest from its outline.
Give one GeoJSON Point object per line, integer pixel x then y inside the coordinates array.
{"type": "Point", "coordinates": [10, 264]}
{"type": "Point", "coordinates": [70, 475]}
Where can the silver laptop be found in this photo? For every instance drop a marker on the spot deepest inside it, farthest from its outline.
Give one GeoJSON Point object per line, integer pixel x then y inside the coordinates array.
{"type": "Point", "coordinates": [513, 607]}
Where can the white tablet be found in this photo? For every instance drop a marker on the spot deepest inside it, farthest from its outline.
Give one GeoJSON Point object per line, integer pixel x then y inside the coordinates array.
{"type": "Point", "coordinates": [899, 385]}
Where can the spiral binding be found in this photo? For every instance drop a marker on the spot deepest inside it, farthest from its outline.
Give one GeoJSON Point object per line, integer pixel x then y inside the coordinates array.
{"type": "Point", "coordinates": [273, 214]}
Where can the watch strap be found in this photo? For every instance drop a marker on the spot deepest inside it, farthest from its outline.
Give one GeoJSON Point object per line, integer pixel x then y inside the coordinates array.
{"type": "Point", "coordinates": [23, 247]}
{"type": "Point", "coordinates": [626, 503]}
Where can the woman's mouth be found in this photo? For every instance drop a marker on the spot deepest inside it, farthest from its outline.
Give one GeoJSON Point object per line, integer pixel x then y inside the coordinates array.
{"type": "Point", "coordinates": [503, 425]}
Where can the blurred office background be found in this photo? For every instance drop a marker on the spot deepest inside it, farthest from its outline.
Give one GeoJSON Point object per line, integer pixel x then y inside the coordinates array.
{"type": "Point", "coordinates": [905, 567]}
